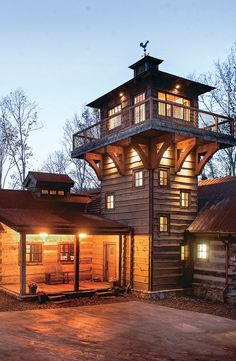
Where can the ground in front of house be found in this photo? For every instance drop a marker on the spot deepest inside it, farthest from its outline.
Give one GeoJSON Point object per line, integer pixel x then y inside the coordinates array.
{"type": "Point", "coordinates": [122, 331]}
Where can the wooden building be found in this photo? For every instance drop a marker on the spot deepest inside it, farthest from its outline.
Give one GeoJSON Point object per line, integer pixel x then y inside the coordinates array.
{"type": "Point", "coordinates": [148, 149]}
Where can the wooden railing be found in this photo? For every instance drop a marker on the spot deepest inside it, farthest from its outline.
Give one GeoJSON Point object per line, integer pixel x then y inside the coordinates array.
{"type": "Point", "coordinates": [155, 109]}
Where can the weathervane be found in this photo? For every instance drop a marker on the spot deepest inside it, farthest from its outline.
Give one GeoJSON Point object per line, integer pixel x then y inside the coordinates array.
{"type": "Point", "coordinates": [144, 46]}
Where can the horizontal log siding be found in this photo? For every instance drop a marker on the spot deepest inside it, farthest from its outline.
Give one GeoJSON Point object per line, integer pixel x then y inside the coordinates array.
{"type": "Point", "coordinates": [231, 296]}
{"type": "Point", "coordinates": [131, 208]}
{"type": "Point", "coordinates": [167, 267]}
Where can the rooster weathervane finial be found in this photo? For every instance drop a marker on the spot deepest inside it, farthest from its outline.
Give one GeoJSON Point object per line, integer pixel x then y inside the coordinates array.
{"type": "Point", "coordinates": [144, 46]}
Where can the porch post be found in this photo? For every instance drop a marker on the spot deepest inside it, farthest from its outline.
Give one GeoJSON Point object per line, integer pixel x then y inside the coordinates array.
{"type": "Point", "coordinates": [120, 260]}
{"type": "Point", "coordinates": [76, 262]}
{"type": "Point", "coordinates": [22, 264]}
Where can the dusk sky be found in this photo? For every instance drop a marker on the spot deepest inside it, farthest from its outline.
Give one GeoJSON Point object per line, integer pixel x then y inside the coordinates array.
{"type": "Point", "coordinates": [65, 53]}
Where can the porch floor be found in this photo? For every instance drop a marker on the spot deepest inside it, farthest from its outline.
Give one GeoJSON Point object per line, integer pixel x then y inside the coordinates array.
{"type": "Point", "coordinates": [60, 288]}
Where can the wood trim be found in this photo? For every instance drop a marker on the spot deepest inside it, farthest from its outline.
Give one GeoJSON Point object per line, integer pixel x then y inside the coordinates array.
{"type": "Point", "coordinates": [182, 150]}
{"type": "Point", "coordinates": [117, 155]}
{"type": "Point", "coordinates": [96, 162]}
{"type": "Point", "coordinates": [207, 151]}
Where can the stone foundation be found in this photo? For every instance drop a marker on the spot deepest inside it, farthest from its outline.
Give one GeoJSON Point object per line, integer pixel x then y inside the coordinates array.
{"type": "Point", "coordinates": [209, 293]}
{"type": "Point", "coordinates": [162, 294]}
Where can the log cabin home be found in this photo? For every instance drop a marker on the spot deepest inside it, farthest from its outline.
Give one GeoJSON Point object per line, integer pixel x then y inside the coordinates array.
{"type": "Point", "coordinates": [151, 226]}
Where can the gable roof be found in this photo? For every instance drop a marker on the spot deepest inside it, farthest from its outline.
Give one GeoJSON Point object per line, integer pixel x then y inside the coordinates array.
{"type": "Point", "coordinates": [42, 178]}
{"type": "Point", "coordinates": [217, 206]}
{"type": "Point", "coordinates": [23, 211]}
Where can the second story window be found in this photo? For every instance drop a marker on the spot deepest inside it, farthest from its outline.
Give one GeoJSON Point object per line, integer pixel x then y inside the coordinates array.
{"type": "Point", "coordinates": [164, 224]}
{"type": "Point", "coordinates": [177, 111]}
{"type": "Point", "coordinates": [110, 201]}
{"type": "Point", "coordinates": [164, 177]}
{"type": "Point", "coordinates": [185, 199]}
{"type": "Point", "coordinates": [138, 179]}
{"type": "Point", "coordinates": [139, 110]}
{"type": "Point", "coordinates": [115, 118]}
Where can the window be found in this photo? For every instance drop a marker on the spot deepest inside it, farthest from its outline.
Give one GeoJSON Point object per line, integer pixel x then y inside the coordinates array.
{"type": "Point", "coordinates": [33, 252]}
{"type": "Point", "coordinates": [61, 193]}
{"type": "Point", "coordinates": [185, 199]}
{"type": "Point", "coordinates": [184, 252]}
{"type": "Point", "coordinates": [164, 177]}
{"type": "Point", "coordinates": [110, 201]}
{"type": "Point", "coordinates": [44, 191]}
{"type": "Point", "coordinates": [202, 251]}
{"type": "Point", "coordinates": [164, 224]}
{"type": "Point", "coordinates": [115, 120]}
{"type": "Point", "coordinates": [66, 252]}
{"type": "Point", "coordinates": [170, 110]}
{"type": "Point", "coordinates": [139, 110]}
{"type": "Point", "coordinates": [52, 192]}
{"type": "Point", "coordinates": [138, 179]}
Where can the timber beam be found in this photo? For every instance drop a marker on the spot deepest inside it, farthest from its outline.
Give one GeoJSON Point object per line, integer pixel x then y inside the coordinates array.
{"type": "Point", "coordinates": [117, 154]}
{"type": "Point", "coordinates": [96, 162]}
{"type": "Point", "coordinates": [182, 151]}
{"type": "Point", "coordinates": [203, 154]}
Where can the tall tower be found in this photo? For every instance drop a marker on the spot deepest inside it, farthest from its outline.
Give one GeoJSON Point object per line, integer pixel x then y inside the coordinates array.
{"type": "Point", "coordinates": [151, 143]}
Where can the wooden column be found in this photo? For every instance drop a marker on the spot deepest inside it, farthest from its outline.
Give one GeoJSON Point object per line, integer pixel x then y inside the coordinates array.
{"type": "Point", "coordinates": [76, 262]}
{"type": "Point", "coordinates": [124, 259]}
{"type": "Point", "coordinates": [120, 260]}
{"type": "Point", "coordinates": [22, 264]}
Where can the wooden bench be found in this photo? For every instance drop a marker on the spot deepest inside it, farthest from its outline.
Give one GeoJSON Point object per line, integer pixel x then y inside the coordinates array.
{"type": "Point", "coordinates": [56, 277]}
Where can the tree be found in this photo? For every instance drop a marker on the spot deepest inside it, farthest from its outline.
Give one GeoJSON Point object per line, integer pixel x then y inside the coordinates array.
{"type": "Point", "coordinates": [61, 161]}
{"type": "Point", "coordinates": [18, 119]}
{"type": "Point", "coordinates": [222, 100]}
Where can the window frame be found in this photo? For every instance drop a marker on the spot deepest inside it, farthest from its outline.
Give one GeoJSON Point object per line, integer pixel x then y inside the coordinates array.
{"type": "Point", "coordinates": [135, 171]}
{"type": "Point", "coordinates": [168, 177]}
{"type": "Point", "coordinates": [164, 109]}
{"type": "Point", "coordinates": [69, 254]}
{"type": "Point", "coordinates": [31, 261]}
{"type": "Point", "coordinates": [198, 258]}
{"type": "Point", "coordinates": [106, 201]}
{"type": "Point", "coordinates": [114, 115]}
{"type": "Point", "coordinates": [186, 191]}
{"type": "Point", "coordinates": [167, 216]}
{"type": "Point", "coordinates": [184, 252]}
{"type": "Point", "coordinates": [139, 108]}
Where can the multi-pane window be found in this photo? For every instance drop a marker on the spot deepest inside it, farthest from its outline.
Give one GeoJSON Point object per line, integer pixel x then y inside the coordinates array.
{"type": "Point", "coordinates": [164, 175]}
{"type": "Point", "coordinates": [52, 192]}
{"type": "Point", "coordinates": [138, 179]}
{"type": "Point", "coordinates": [110, 201]}
{"type": "Point", "coordinates": [115, 120]}
{"type": "Point", "coordinates": [66, 252]}
{"type": "Point", "coordinates": [185, 199]}
{"type": "Point", "coordinates": [33, 252]}
{"type": "Point", "coordinates": [184, 252]}
{"type": "Point", "coordinates": [139, 110]}
{"type": "Point", "coordinates": [202, 251]}
{"type": "Point", "coordinates": [164, 224]}
{"type": "Point", "coordinates": [171, 110]}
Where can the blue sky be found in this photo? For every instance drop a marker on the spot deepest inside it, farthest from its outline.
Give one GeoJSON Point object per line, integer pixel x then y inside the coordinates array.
{"type": "Point", "coordinates": [65, 53]}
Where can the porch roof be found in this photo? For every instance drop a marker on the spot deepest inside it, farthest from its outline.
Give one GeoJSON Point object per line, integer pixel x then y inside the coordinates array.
{"type": "Point", "coordinates": [217, 206]}
{"type": "Point", "coordinates": [25, 212]}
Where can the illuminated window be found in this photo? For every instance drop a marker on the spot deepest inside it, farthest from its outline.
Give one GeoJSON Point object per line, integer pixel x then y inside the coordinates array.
{"type": "Point", "coordinates": [110, 201]}
{"type": "Point", "coordinates": [171, 110]}
{"type": "Point", "coordinates": [184, 199]}
{"type": "Point", "coordinates": [139, 110]}
{"type": "Point", "coordinates": [33, 252]}
{"type": "Point", "coordinates": [184, 252]}
{"type": "Point", "coordinates": [164, 224]}
{"type": "Point", "coordinates": [44, 191]}
{"type": "Point", "coordinates": [66, 252]}
{"type": "Point", "coordinates": [164, 175]}
{"type": "Point", "coordinates": [138, 180]}
{"type": "Point", "coordinates": [52, 192]}
{"type": "Point", "coordinates": [61, 193]}
{"type": "Point", "coordinates": [202, 251]}
{"type": "Point", "coordinates": [115, 120]}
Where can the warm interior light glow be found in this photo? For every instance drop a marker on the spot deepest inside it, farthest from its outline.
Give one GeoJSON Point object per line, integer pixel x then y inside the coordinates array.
{"type": "Point", "coordinates": [121, 94]}
{"type": "Point", "coordinates": [43, 235]}
{"type": "Point", "coordinates": [177, 86]}
{"type": "Point", "coordinates": [82, 235]}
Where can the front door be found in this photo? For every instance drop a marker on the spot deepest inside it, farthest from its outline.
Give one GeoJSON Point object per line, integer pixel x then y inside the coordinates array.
{"type": "Point", "coordinates": [109, 262]}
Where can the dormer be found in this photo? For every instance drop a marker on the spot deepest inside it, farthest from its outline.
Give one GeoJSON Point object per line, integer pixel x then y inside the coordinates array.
{"type": "Point", "coordinates": [48, 184]}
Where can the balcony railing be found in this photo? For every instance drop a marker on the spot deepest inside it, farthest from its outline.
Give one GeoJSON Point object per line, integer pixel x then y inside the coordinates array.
{"type": "Point", "coordinates": [155, 109]}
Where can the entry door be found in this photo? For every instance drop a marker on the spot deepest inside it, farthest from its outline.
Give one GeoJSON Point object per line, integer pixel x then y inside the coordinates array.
{"type": "Point", "coordinates": [109, 261]}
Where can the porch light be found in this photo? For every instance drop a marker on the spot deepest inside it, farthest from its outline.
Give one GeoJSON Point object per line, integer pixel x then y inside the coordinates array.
{"type": "Point", "coordinates": [82, 235]}
{"type": "Point", "coordinates": [121, 94]}
{"type": "Point", "coordinates": [43, 235]}
{"type": "Point", "coordinates": [177, 86]}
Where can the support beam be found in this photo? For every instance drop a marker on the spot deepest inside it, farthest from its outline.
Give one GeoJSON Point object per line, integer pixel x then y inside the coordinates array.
{"type": "Point", "coordinates": [76, 262]}
{"type": "Point", "coordinates": [166, 141]}
{"type": "Point", "coordinates": [203, 154]}
{"type": "Point", "coordinates": [22, 264]}
{"type": "Point", "coordinates": [124, 252]}
{"type": "Point", "coordinates": [117, 155]}
{"type": "Point", "coordinates": [182, 151]}
{"type": "Point", "coordinates": [120, 261]}
{"type": "Point", "coordinates": [142, 153]}
{"type": "Point", "coordinates": [96, 162]}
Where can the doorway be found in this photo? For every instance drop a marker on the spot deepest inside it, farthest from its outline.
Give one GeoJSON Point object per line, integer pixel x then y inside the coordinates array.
{"type": "Point", "coordinates": [109, 262]}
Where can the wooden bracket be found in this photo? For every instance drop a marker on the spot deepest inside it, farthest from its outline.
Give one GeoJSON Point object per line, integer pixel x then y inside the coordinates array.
{"type": "Point", "coordinates": [117, 155]}
{"type": "Point", "coordinates": [142, 152]}
{"type": "Point", "coordinates": [96, 162]}
{"type": "Point", "coordinates": [182, 150]}
{"type": "Point", "coordinates": [204, 154]}
{"type": "Point", "coordinates": [157, 156]}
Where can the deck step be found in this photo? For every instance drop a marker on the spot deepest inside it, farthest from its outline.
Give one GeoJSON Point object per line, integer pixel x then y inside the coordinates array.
{"type": "Point", "coordinates": [56, 298]}
{"type": "Point", "coordinates": [104, 294]}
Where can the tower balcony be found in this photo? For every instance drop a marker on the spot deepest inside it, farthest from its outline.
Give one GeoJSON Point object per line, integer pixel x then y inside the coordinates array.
{"type": "Point", "coordinates": [155, 117]}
